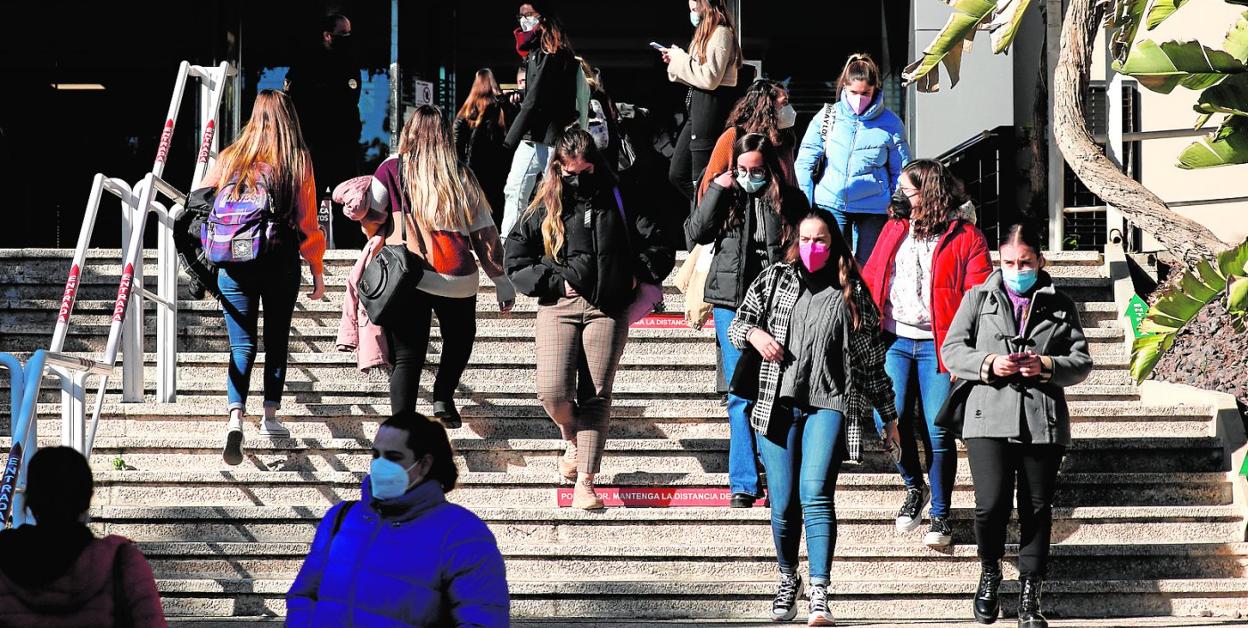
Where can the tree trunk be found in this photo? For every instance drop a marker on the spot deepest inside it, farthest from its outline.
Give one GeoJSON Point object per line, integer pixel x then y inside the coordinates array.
{"type": "Point", "coordinates": [1186, 239]}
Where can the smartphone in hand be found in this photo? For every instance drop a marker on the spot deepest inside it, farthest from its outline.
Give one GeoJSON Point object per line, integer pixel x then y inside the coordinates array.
{"type": "Point", "coordinates": [658, 46]}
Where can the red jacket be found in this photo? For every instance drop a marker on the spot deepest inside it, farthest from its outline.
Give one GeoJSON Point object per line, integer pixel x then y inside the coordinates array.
{"type": "Point", "coordinates": [42, 586]}
{"type": "Point", "coordinates": [961, 263]}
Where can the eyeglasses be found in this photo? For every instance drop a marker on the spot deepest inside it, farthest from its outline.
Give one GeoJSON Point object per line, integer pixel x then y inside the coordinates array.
{"type": "Point", "coordinates": [524, 15]}
{"type": "Point", "coordinates": [754, 173]}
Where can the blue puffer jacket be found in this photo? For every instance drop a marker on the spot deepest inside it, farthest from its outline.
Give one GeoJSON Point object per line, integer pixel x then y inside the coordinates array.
{"type": "Point", "coordinates": [864, 156]}
{"type": "Point", "coordinates": [415, 560]}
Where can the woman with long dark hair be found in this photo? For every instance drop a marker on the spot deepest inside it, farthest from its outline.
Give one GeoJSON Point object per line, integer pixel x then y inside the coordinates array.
{"type": "Point", "coordinates": [764, 109]}
{"type": "Point", "coordinates": [750, 214]}
{"type": "Point", "coordinates": [480, 128]}
{"type": "Point", "coordinates": [269, 155]}
{"type": "Point", "coordinates": [812, 321]}
{"type": "Point", "coordinates": [549, 105]}
{"type": "Point", "coordinates": [1016, 341]}
{"type": "Point", "coordinates": [709, 68]}
{"type": "Point", "coordinates": [582, 253]}
{"type": "Point", "coordinates": [927, 257]}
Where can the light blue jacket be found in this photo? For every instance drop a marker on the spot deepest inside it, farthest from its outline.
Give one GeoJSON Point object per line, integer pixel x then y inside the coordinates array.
{"type": "Point", "coordinates": [867, 153]}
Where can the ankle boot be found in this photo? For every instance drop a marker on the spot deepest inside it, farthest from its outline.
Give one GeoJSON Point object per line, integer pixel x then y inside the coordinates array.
{"type": "Point", "coordinates": [987, 602]}
{"type": "Point", "coordinates": [584, 496]}
{"type": "Point", "coordinates": [1029, 604]}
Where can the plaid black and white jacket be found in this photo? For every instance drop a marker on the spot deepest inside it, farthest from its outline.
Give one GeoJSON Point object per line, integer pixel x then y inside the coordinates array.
{"type": "Point", "coordinates": [769, 305]}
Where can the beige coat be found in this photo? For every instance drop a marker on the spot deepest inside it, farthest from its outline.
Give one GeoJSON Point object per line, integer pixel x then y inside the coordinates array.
{"type": "Point", "coordinates": [716, 70]}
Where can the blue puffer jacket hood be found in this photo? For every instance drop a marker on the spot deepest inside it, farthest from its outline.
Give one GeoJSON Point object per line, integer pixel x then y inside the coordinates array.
{"type": "Point", "coordinates": [860, 159]}
{"type": "Point", "coordinates": [415, 560]}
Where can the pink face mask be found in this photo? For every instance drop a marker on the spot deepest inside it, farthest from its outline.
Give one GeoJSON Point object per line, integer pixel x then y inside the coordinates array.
{"type": "Point", "coordinates": [859, 103]}
{"type": "Point", "coordinates": [814, 255]}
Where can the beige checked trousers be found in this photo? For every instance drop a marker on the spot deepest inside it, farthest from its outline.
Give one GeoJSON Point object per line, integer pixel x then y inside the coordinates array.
{"type": "Point", "coordinates": [575, 338]}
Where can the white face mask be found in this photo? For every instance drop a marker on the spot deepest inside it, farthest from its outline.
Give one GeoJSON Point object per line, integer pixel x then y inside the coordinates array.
{"type": "Point", "coordinates": [528, 23]}
{"type": "Point", "coordinates": [694, 18]}
{"type": "Point", "coordinates": [787, 116]}
{"type": "Point", "coordinates": [389, 479]}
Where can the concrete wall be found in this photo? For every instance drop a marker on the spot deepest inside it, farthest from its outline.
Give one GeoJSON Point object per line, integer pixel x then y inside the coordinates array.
{"type": "Point", "coordinates": [982, 100]}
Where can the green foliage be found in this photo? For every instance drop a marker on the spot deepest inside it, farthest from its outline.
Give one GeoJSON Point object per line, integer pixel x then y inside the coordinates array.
{"type": "Point", "coordinates": [1178, 305]}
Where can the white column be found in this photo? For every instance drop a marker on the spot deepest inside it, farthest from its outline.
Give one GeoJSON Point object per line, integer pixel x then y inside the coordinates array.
{"type": "Point", "coordinates": [1057, 165]}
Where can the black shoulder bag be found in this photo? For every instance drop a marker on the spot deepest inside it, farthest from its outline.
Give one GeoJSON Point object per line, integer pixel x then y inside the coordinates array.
{"type": "Point", "coordinates": [393, 271]}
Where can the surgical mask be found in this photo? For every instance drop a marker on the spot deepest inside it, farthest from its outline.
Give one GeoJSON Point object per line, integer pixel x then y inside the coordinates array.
{"type": "Point", "coordinates": [529, 23]}
{"type": "Point", "coordinates": [580, 182]}
{"type": "Point", "coordinates": [388, 478]}
{"type": "Point", "coordinates": [814, 255]}
{"type": "Point", "coordinates": [694, 18]}
{"type": "Point", "coordinates": [1019, 281]}
{"type": "Point", "coordinates": [857, 102]}
{"type": "Point", "coordinates": [787, 116]}
{"type": "Point", "coordinates": [750, 183]}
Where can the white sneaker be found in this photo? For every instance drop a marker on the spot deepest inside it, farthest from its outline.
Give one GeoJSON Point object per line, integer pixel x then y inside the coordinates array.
{"type": "Point", "coordinates": [819, 613]}
{"type": "Point", "coordinates": [273, 428]}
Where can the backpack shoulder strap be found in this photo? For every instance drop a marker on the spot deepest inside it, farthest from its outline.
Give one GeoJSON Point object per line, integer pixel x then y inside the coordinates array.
{"type": "Point", "coordinates": [829, 120]}
{"type": "Point", "coordinates": [339, 517]}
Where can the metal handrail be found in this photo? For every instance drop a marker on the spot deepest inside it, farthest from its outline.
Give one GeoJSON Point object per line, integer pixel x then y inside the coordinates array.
{"type": "Point", "coordinates": [27, 385]}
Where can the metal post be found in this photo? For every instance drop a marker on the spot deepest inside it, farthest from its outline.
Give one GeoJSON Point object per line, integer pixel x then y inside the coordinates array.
{"type": "Point", "coordinates": [396, 116]}
{"type": "Point", "coordinates": [1114, 145]}
{"type": "Point", "coordinates": [132, 310]}
{"type": "Point", "coordinates": [166, 313]}
{"type": "Point", "coordinates": [1057, 165]}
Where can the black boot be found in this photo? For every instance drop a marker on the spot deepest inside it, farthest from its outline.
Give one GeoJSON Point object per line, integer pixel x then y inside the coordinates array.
{"type": "Point", "coordinates": [987, 603]}
{"type": "Point", "coordinates": [1029, 604]}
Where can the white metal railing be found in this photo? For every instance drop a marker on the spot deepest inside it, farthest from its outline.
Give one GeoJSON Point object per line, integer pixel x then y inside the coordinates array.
{"type": "Point", "coordinates": [26, 385]}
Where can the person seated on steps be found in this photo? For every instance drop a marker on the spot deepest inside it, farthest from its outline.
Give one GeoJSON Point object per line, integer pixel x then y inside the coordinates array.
{"type": "Point", "coordinates": [402, 555]}
{"type": "Point", "coordinates": [56, 572]}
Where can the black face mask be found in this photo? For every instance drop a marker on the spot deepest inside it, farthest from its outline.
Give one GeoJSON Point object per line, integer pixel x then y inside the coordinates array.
{"type": "Point", "coordinates": [899, 205]}
{"type": "Point", "coordinates": [581, 183]}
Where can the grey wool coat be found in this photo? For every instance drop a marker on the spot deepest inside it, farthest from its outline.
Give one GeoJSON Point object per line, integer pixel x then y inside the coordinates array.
{"type": "Point", "coordinates": [982, 329]}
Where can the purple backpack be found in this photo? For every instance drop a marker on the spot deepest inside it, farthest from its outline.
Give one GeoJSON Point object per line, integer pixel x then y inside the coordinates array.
{"type": "Point", "coordinates": [243, 226]}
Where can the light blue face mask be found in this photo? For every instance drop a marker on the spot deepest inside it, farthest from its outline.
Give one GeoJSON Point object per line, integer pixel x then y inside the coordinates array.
{"type": "Point", "coordinates": [1019, 281]}
{"type": "Point", "coordinates": [388, 478]}
{"type": "Point", "coordinates": [751, 184]}
{"type": "Point", "coordinates": [695, 18]}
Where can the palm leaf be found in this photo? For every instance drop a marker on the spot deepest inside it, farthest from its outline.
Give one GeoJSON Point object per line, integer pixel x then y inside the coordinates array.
{"type": "Point", "coordinates": [1179, 304]}
{"type": "Point", "coordinates": [1004, 24]}
{"type": "Point", "coordinates": [1161, 10]}
{"type": "Point", "coordinates": [1229, 96]}
{"type": "Point", "coordinates": [1163, 67]}
{"type": "Point", "coordinates": [1227, 146]}
{"type": "Point", "coordinates": [1125, 17]}
{"type": "Point", "coordinates": [948, 45]}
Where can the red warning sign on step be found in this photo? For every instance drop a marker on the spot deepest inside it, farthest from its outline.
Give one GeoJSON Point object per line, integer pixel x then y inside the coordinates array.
{"type": "Point", "coordinates": [667, 321]}
{"type": "Point", "coordinates": [655, 497]}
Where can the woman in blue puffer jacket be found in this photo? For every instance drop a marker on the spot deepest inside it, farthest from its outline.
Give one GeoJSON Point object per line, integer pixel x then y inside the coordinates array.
{"type": "Point", "coordinates": [852, 155]}
{"type": "Point", "coordinates": [402, 555]}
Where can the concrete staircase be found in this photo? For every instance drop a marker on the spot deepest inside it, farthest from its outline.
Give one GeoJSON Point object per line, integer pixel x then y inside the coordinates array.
{"type": "Point", "coordinates": [1147, 524]}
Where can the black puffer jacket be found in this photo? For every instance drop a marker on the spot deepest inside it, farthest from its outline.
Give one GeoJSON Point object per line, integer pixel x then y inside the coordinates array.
{"type": "Point", "coordinates": [549, 104]}
{"type": "Point", "coordinates": [735, 266]}
{"type": "Point", "coordinates": [599, 257]}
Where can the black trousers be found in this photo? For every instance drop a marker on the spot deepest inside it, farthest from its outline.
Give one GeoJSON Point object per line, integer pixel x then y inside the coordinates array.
{"type": "Point", "coordinates": [409, 342]}
{"type": "Point", "coordinates": [689, 159]}
{"type": "Point", "coordinates": [996, 467]}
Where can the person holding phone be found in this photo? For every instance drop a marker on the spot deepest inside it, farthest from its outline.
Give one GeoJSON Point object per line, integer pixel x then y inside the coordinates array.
{"type": "Point", "coordinates": [1017, 343]}
{"type": "Point", "coordinates": [811, 319]}
{"type": "Point", "coordinates": [709, 68]}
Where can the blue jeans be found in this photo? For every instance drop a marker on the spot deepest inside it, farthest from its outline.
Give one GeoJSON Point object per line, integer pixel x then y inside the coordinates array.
{"type": "Point", "coordinates": [912, 366]}
{"type": "Point", "coordinates": [274, 281]}
{"type": "Point", "coordinates": [861, 231]}
{"type": "Point", "coordinates": [803, 458]}
{"type": "Point", "coordinates": [742, 445]}
{"type": "Point", "coordinates": [527, 163]}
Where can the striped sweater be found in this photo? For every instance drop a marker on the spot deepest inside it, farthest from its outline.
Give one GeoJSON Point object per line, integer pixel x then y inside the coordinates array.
{"type": "Point", "coordinates": [447, 250]}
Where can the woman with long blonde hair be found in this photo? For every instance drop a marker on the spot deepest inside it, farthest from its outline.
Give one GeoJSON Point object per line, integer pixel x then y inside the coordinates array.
{"type": "Point", "coordinates": [582, 254]}
{"type": "Point", "coordinates": [268, 156]}
{"type": "Point", "coordinates": [480, 128]}
{"type": "Point", "coordinates": [425, 199]}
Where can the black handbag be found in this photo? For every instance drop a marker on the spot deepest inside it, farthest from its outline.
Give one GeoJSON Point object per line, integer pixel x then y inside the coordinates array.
{"type": "Point", "coordinates": [952, 414]}
{"type": "Point", "coordinates": [744, 382]}
{"type": "Point", "coordinates": [393, 271]}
